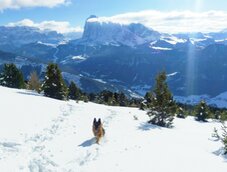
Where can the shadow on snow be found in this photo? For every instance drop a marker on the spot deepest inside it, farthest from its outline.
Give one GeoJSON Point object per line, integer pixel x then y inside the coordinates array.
{"type": "Point", "coordinates": [88, 143]}
{"type": "Point", "coordinates": [145, 126]}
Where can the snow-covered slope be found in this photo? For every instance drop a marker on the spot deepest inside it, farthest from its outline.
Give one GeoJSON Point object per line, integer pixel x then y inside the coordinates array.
{"type": "Point", "coordinates": [219, 101]}
{"type": "Point", "coordinates": [39, 134]}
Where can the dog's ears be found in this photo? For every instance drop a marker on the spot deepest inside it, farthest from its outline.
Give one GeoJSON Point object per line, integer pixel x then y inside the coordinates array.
{"type": "Point", "coordinates": [99, 121]}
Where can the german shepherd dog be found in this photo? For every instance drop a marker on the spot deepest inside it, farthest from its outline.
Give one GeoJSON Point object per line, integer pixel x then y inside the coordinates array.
{"type": "Point", "coordinates": [98, 129]}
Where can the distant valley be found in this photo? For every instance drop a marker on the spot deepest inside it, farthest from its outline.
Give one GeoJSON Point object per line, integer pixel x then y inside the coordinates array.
{"type": "Point", "coordinates": [122, 57]}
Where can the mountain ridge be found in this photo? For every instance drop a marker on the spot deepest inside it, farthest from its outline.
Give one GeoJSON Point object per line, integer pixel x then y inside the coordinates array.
{"type": "Point", "coordinates": [129, 57]}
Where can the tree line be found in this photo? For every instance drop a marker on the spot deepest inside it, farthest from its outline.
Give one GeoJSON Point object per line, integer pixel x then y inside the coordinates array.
{"type": "Point", "coordinates": [54, 86]}
{"type": "Point", "coordinates": [158, 102]}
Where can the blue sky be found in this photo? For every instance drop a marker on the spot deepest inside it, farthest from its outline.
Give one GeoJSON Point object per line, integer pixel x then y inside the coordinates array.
{"type": "Point", "coordinates": [77, 11]}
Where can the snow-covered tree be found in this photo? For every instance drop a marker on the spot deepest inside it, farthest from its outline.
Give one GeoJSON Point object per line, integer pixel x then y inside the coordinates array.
{"type": "Point", "coordinates": [180, 112]}
{"type": "Point", "coordinates": [224, 137]}
{"type": "Point", "coordinates": [34, 83]}
{"type": "Point", "coordinates": [162, 105]}
{"type": "Point", "coordinates": [74, 92]}
{"type": "Point", "coordinates": [11, 77]}
{"type": "Point", "coordinates": [143, 105]}
{"type": "Point", "coordinates": [54, 85]}
{"type": "Point", "coordinates": [202, 111]}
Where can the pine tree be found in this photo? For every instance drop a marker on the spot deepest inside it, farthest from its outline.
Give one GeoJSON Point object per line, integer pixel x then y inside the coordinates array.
{"type": "Point", "coordinates": [106, 97]}
{"type": "Point", "coordinates": [202, 111]}
{"type": "Point", "coordinates": [143, 105]}
{"type": "Point", "coordinates": [224, 137]}
{"type": "Point", "coordinates": [120, 99]}
{"type": "Point", "coordinates": [223, 116]}
{"type": "Point", "coordinates": [217, 114]}
{"type": "Point", "coordinates": [180, 112]}
{"type": "Point", "coordinates": [148, 98]}
{"type": "Point", "coordinates": [12, 77]}
{"type": "Point", "coordinates": [163, 107]}
{"type": "Point", "coordinates": [54, 85]}
{"type": "Point", "coordinates": [215, 134]}
{"type": "Point", "coordinates": [34, 83]}
{"type": "Point", "coordinates": [93, 97]}
{"type": "Point", "coordinates": [74, 92]}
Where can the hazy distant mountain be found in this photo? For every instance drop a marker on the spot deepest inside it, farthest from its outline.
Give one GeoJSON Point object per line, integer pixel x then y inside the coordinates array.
{"type": "Point", "coordinates": [14, 37]}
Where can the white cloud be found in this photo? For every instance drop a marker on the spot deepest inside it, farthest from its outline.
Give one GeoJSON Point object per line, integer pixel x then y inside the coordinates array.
{"type": "Point", "coordinates": [59, 26]}
{"type": "Point", "coordinates": [173, 21]}
{"type": "Point", "coordinates": [15, 4]}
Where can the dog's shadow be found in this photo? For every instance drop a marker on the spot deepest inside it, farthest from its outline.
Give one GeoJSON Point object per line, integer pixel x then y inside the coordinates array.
{"type": "Point", "coordinates": [88, 143]}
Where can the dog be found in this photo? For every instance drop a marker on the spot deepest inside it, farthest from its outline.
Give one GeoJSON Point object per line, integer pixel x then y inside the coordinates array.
{"type": "Point", "coordinates": [98, 129]}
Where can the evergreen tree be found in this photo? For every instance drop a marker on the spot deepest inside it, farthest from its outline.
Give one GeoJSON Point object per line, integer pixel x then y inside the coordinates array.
{"type": "Point", "coordinates": [163, 107]}
{"type": "Point", "coordinates": [223, 116]}
{"type": "Point", "coordinates": [11, 77]}
{"type": "Point", "coordinates": [143, 105]}
{"type": "Point", "coordinates": [120, 99]}
{"type": "Point", "coordinates": [215, 134]}
{"type": "Point", "coordinates": [202, 111]}
{"type": "Point", "coordinates": [224, 137]}
{"type": "Point", "coordinates": [92, 97]}
{"type": "Point", "coordinates": [34, 83]}
{"type": "Point", "coordinates": [106, 97]}
{"type": "Point", "coordinates": [54, 85]}
{"type": "Point", "coordinates": [148, 98]}
{"type": "Point", "coordinates": [216, 114]}
{"type": "Point", "coordinates": [84, 97]}
{"type": "Point", "coordinates": [180, 112]}
{"type": "Point", "coordinates": [74, 92]}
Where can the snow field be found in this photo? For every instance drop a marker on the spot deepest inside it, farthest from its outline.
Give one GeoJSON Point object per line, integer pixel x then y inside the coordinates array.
{"type": "Point", "coordinates": [39, 134]}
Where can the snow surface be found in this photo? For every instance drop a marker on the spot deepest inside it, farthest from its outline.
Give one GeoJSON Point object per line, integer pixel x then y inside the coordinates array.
{"type": "Point", "coordinates": [39, 134]}
{"type": "Point", "coordinates": [172, 74]}
{"type": "Point", "coordinates": [47, 44]}
{"type": "Point", "coordinates": [80, 57]}
{"type": "Point", "coordinates": [100, 80]}
{"type": "Point", "coordinates": [220, 40]}
{"type": "Point", "coordinates": [161, 48]}
{"type": "Point", "coordinates": [173, 40]}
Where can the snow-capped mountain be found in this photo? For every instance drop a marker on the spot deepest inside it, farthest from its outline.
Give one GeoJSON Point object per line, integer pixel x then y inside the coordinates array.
{"type": "Point", "coordinates": [125, 56]}
{"type": "Point", "coordinates": [14, 37]}
{"type": "Point", "coordinates": [109, 33]}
